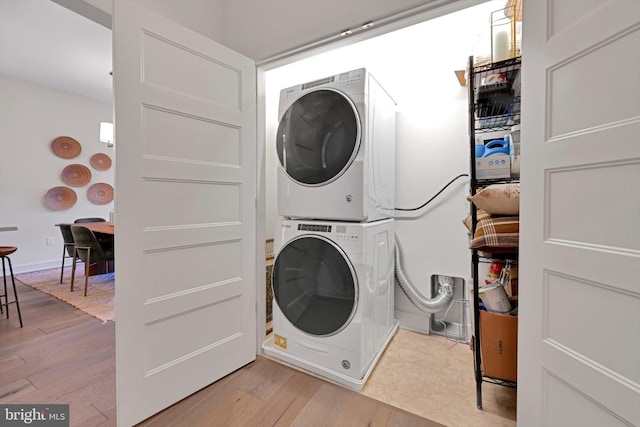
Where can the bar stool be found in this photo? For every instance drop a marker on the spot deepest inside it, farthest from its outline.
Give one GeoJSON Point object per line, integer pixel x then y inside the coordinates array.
{"type": "Point", "coordinates": [5, 251]}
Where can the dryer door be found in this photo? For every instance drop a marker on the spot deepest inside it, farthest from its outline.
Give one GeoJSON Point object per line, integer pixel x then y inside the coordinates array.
{"type": "Point", "coordinates": [318, 137]}
{"type": "Point", "coordinates": [315, 285]}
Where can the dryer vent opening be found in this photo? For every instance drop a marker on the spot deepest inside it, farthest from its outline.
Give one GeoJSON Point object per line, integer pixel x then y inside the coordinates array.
{"type": "Point", "coordinates": [452, 322]}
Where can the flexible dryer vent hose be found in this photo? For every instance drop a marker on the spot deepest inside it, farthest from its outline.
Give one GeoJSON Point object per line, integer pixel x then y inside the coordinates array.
{"type": "Point", "coordinates": [428, 305]}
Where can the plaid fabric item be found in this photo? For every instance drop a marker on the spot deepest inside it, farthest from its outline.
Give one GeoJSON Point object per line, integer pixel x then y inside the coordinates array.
{"type": "Point", "coordinates": [481, 216]}
{"type": "Point", "coordinates": [496, 234]}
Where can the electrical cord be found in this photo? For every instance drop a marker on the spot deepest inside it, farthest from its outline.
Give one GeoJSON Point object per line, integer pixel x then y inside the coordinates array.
{"type": "Point", "coordinates": [436, 195]}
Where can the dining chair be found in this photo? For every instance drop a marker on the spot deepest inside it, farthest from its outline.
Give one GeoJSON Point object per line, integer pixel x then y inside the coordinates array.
{"type": "Point", "coordinates": [102, 239]}
{"type": "Point", "coordinates": [5, 251]}
{"type": "Point", "coordinates": [67, 249]}
{"type": "Point", "coordinates": [88, 249]}
{"type": "Point", "coordinates": [81, 220]}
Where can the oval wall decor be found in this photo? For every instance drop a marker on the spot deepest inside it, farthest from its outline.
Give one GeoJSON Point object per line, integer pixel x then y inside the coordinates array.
{"type": "Point", "coordinates": [65, 147]}
{"type": "Point", "coordinates": [100, 161]}
{"type": "Point", "coordinates": [76, 175]}
{"type": "Point", "coordinates": [100, 193]}
{"type": "Point", "coordinates": [60, 198]}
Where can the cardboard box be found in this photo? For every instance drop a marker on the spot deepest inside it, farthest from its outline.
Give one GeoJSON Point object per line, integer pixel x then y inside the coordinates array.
{"type": "Point", "coordinates": [492, 167]}
{"type": "Point", "coordinates": [499, 345]}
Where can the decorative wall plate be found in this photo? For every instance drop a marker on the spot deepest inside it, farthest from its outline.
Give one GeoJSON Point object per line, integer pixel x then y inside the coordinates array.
{"type": "Point", "coordinates": [60, 198]}
{"type": "Point", "coordinates": [65, 147]}
{"type": "Point", "coordinates": [100, 193]}
{"type": "Point", "coordinates": [100, 161]}
{"type": "Point", "coordinates": [76, 175]}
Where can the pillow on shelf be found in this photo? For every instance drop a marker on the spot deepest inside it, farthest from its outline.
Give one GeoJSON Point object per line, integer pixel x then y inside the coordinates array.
{"type": "Point", "coordinates": [495, 234]}
{"type": "Point", "coordinates": [498, 199]}
{"type": "Point", "coordinates": [480, 216]}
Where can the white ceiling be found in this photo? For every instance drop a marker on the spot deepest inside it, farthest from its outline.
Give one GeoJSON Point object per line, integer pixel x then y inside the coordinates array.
{"type": "Point", "coordinates": [45, 43]}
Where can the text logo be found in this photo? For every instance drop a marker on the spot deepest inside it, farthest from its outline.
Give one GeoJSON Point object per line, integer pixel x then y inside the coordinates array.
{"type": "Point", "coordinates": [34, 415]}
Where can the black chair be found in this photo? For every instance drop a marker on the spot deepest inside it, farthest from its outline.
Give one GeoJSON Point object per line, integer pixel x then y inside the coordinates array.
{"type": "Point", "coordinates": [102, 239]}
{"type": "Point", "coordinates": [69, 243]}
{"type": "Point", "coordinates": [89, 250]}
{"type": "Point", "coordinates": [5, 251]}
{"type": "Point", "coordinates": [81, 220]}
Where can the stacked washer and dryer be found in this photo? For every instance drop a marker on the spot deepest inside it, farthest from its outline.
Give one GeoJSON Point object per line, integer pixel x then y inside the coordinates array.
{"type": "Point", "coordinates": [333, 274]}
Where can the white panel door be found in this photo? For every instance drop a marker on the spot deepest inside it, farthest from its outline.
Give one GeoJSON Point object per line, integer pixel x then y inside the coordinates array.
{"type": "Point", "coordinates": [579, 336]}
{"type": "Point", "coordinates": [185, 211]}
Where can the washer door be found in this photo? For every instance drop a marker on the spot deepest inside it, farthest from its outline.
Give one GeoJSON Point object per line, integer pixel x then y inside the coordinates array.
{"type": "Point", "coordinates": [318, 137]}
{"type": "Point", "coordinates": [314, 285]}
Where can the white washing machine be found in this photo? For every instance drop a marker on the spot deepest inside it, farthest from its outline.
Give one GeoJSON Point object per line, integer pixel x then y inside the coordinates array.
{"type": "Point", "coordinates": [333, 297]}
{"type": "Point", "coordinates": [336, 149]}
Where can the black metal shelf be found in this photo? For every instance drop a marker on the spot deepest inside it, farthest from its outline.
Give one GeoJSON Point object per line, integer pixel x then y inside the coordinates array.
{"type": "Point", "coordinates": [486, 182]}
{"type": "Point", "coordinates": [496, 65]}
{"type": "Point", "coordinates": [506, 256]}
{"type": "Point", "coordinates": [494, 105]}
{"type": "Point", "coordinates": [498, 381]}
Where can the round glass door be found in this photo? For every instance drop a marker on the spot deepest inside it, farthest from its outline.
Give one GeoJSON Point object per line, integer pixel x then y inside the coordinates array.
{"type": "Point", "coordinates": [318, 137]}
{"type": "Point", "coordinates": [314, 285]}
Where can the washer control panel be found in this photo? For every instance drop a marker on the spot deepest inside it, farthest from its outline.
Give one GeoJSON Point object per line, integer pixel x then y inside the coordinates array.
{"type": "Point", "coordinates": [320, 228]}
{"type": "Point", "coordinates": [337, 231]}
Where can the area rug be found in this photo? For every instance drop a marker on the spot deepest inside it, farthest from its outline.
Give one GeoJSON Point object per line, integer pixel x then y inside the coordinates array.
{"type": "Point", "coordinates": [99, 301]}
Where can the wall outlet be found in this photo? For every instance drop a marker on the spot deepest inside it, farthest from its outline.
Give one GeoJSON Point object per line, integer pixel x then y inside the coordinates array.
{"type": "Point", "coordinates": [49, 241]}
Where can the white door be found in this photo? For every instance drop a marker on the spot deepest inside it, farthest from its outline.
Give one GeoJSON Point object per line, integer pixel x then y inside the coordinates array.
{"type": "Point", "coordinates": [185, 211]}
{"type": "Point", "coordinates": [579, 326]}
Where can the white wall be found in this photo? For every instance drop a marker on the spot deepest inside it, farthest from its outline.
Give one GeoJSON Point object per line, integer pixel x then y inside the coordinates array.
{"type": "Point", "coordinates": [31, 116]}
{"type": "Point", "coordinates": [416, 66]}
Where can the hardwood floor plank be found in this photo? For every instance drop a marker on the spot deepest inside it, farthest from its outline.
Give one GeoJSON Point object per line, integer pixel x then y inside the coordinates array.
{"type": "Point", "coordinates": [328, 405]}
{"type": "Point", "coordinates": [401, 418]}
{"type": "Point", "coordinates": [289, 400]}
{"type": "Point", "coordinates": [365, 412]}
{"type": "Point", "coordinates": [106, 404]}
{"type": "Point", "coordinates": [15, 389]}
{"type": "Point", "coordinates": [109, 423]}
{"type": "Point", "coordinates": [79, 389]}
{"type": "Point", "coordinates": [264, 379]}
{"type": "Point", "coordinates": [64, 321]}
{"type": "Point", "coordinates": [50, 351]}
{"type": "Point", "coordinates": [9, 363]}
{"type": "Point", "coordinates": [232, 408]}
{"type": "Point", "coordinates": [86, 416]}
{"type": "Point", "coordinates": [27, 339]}
{"type": "Point", "coordinates": [13, 337]}
{"type": "Point", "coordinates": [70, 367]}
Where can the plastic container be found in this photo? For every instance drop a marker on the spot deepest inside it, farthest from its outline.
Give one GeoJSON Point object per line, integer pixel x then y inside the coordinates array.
{"type": "Point", "coordinates": [497, 146]}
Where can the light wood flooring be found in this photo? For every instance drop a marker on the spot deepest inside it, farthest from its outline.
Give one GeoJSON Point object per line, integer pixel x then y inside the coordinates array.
{"type": "Point", "coordinates": [63, 355]}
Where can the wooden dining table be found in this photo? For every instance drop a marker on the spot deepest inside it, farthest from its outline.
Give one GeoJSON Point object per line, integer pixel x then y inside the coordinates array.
{"type": "Point", "coordinates": [105, 228]}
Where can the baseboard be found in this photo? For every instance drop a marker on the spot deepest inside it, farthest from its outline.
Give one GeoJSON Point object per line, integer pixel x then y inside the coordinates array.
{"type": "Point", "coordinates": [36, 266]}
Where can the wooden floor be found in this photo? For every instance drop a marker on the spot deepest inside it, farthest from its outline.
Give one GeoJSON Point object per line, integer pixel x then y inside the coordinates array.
{"type": "Point", "coordinates": [62, 355]}
{"type": "Point", "coordinates": [65, 356]}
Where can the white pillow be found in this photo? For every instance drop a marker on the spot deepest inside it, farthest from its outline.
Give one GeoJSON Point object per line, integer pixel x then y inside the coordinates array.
{"type": "Point", "coordinates": [498, 199]}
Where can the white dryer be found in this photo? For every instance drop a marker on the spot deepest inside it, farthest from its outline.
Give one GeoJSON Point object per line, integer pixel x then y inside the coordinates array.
{"type": "Point", "coordinates": [336, 149]}
{"type": "Point", "coordinates": [333, 297]}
